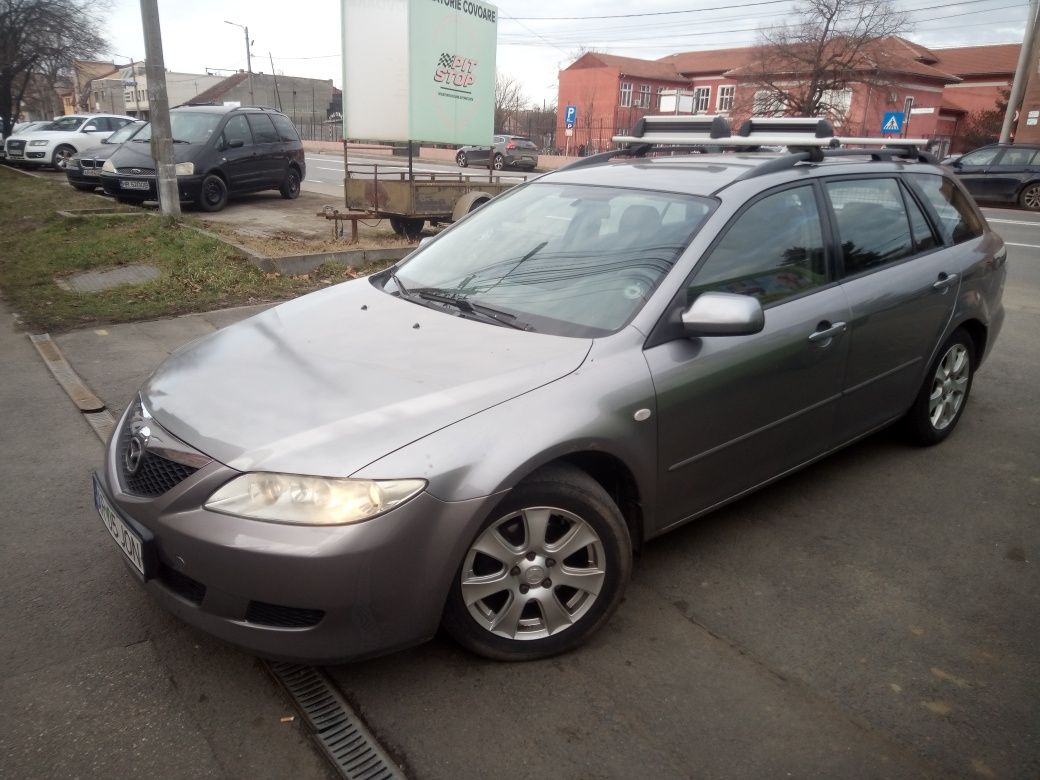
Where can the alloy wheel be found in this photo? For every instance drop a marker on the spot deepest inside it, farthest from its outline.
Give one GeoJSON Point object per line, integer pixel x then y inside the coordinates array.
{"type": "Point", "coordinates": [948, 386]}
{"type": "Point", "coordinates": [1031, 197]}
{"type": "Point", "coordinates": [533, 573]}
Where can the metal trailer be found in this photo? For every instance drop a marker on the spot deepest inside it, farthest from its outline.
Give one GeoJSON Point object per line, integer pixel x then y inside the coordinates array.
{"type": "Point", "coordinates": [410, 199]}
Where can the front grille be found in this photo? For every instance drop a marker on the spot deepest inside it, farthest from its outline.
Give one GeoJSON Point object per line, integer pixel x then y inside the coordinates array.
{"type": "Point", "coordinates": [137, 171]}
{"type": "Point", "coordinates": [181, 584]}
{"type": "Point", "coordinates": [83, 163]}
{"type": "Point", "coordinates": [156, 475]}
{"type": "Point", "coordinates": [266, 614]}
{"type": "Point", "coordinates": [15, 146]}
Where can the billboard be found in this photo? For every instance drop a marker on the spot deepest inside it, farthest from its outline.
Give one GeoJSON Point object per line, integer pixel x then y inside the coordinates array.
{"type": "Point", "coordinates": [419, 70]}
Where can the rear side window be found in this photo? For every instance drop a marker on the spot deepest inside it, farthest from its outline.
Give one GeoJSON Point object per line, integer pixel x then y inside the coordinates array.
{"type": "Point", "coordinates": [285, 128]}
{"type": "Point", "coordinates": [1018, 157]}
{"type": "Point", "coordinates": [958, 217]}
{"type": "Point", "coordinates": [772, 251]}
{"type": "Point", "coordinates": [263, 130]}
{"type": "Point", "coordinates": [872, 223]}
{"type": "Point", "coordinates": [237, 130]}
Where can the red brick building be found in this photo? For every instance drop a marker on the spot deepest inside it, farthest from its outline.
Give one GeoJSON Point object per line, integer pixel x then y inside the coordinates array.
{"type": "Point", "coordinates": [938, 89]}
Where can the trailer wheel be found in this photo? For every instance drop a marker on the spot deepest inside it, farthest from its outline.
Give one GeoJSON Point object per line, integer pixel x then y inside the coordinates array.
{"type": "Point", "coordinates": [398, 225]}
{"type": "Point", "coordinates": [413, 228]}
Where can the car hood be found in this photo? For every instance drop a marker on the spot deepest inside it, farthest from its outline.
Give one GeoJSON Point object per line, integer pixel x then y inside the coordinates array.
{"type": "Point", "coordinates": [330, 382]}
{"type": "Point", "coordinates": [102, 152]}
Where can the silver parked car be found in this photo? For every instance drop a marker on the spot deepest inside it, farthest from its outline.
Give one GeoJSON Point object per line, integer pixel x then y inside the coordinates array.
{"type": "Point", "coordinates": [506, 151]}
{"type": "Point", "coordinates": [480, 436]}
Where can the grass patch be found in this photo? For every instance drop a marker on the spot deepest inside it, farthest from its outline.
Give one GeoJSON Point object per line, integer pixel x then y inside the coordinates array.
{"type": "Point", "coordinates": [197, 273]}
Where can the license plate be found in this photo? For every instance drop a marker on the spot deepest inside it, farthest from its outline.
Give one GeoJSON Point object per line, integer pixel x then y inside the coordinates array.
{"type": "Point", "coordinates": [88, 171]}
{"type": "Point", "coordinates": [134, 184]}
{"type": "Point", "coordinates": [129, 542]}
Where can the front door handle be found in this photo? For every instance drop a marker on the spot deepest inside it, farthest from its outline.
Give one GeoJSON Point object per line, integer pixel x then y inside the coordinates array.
{"type": "Point", "coordinates": [826, 331]}
{"type": "Point", "coordinates": [945, 281]}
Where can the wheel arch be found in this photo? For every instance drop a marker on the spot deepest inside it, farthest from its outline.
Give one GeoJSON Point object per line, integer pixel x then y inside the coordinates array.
{"type": "Point", "coordinates": [979, 335]}
{"type": "Point", "coordinates": [469, 202]}
{"type": "Point", "coordinates": [1024, 187]}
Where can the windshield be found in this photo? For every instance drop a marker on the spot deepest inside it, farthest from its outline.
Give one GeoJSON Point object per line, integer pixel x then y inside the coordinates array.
{"type": "Point", "coordinates": [190, 127]}
{"type": "Point", "coordinates": [124, 133]}
{"type": "Point", "coordinates": [66, 123]}
{"type": "Point", "coordinates": [566, 259]}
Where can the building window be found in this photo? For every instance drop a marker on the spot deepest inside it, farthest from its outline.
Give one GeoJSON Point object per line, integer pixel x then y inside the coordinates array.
{"type": "Point", "coordinates": [725, 99]}
{"type": "Point", "coordinates": [660, 90]}
{"type": "Point", "coordinates": [701, 98]}
{"type": "Point", "coordinates": [838, 102]}
{"type": "Point", "coordinates": [644, 96]}
{"type": "Point", "coordinates": [626, 93]}
{"type": "Point", "coordinates": [767, 103]}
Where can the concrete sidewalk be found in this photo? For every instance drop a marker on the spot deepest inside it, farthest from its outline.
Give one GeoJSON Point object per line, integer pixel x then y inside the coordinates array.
{"type": "Point", "coordinates": [97, 681]}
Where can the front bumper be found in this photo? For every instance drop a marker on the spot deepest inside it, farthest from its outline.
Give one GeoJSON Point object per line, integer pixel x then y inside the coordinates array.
{"type": "Point", "coordinates": [189, 187]}
{"type": "Point", "coordinates": [366, 589]}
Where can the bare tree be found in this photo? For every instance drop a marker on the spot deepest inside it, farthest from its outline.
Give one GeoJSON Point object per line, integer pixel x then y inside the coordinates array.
{"type": "Point", "coordinates": [807, 67]}
{"type": "Point", "coordinates": [42, 37]}
{"type": "Point", "coordinates": [510, 100]}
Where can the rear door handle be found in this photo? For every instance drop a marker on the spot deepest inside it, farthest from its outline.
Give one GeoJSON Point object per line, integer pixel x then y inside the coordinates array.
{"type": "Point", "coordinates": [825, 331]}
{"type": "Point", "coordinates": [945, 281]}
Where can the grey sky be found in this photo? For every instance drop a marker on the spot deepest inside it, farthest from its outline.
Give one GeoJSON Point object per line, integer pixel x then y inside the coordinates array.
{"type": "Point", "coordinates": [304, 36]}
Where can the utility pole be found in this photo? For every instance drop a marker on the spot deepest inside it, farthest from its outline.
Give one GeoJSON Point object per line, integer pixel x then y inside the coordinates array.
{"type": "Point", "coordinates": [249, 60]}
{"type": "Point", "coordinates": [1018, 86]}
{"type": "Point", "coordinates": [159, 111]}
{"type": "Point", "coordinates": [277, 94]}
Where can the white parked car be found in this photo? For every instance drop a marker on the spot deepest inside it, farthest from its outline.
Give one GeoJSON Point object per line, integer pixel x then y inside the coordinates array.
{"type": "Point", "coordinates": [64, 137]}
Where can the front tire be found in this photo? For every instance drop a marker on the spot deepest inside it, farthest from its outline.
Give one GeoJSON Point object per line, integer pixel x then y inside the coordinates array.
{"type": "Point", "coordinates": [61, 156]}
{"type": "Point", "coordinates": [461, 160]}
{"type": "Point", "coordinates": [214, 193]}
{"type": "Point", "coordinates": [1030, 197]}
{"type": "Point", "coordinates": [544, 573]}
{"type": "Point", "coordinates": [290, 188]}
{"type": "Point", "coordinates": [944, 394]}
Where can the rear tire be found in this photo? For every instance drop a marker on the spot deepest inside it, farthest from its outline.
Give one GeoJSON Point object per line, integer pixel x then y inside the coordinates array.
{"type": "Point", "coordinates": [544, 572]}
{"type": "Point", "coordinates": [1030, 197]}
{"type": "Point", "coordinates": [461, 160]}
{"type": "Point", "coordinates": [944, 393]}
{"type": "Point", "coordinates": [498, 162]}
{"type": "Point", "coordinates": [290, 188]}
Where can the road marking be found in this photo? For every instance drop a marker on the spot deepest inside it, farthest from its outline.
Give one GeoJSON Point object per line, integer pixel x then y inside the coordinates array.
{"type": "Point", "coordinates": [1012, 222]}
{"type": "Point", "coordinates": [1028, 246]}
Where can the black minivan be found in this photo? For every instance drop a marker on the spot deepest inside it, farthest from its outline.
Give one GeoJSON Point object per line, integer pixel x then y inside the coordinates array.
{"type": "Point", "coordinates": [220, 151]}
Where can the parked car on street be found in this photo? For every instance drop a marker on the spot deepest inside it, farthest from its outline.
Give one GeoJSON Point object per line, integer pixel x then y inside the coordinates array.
{"type": "Point", "coordinates": [62, 138]}
{"type": "Point", "coordinates": [479, 436]}
{"type": "Point", "coordinates": [1002, 173]}
{"type": "Point", "coordinates": [506, 151]}
{"type": "Point", "coordinates": [220, 151]}
{"type": "Point", "coordinates": [83, 170]}
{"type": "Point", "coordinates": [23, 127]}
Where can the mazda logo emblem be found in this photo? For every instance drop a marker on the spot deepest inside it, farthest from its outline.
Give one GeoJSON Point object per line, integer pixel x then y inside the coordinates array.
{"type": "Point", "coordinates": [135, 171]}
{"type": "Point", "coordinates": [134, 453]}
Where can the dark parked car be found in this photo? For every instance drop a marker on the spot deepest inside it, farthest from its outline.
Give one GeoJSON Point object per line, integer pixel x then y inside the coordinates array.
{"type": "Point", "coordinates": [584, 363]}
{"type": "Point", "coordinates": [1002, 173]}
{"type": "Point", "coordinates": [507, 151]}
{"type": "Point", "coordinates": [220, 151]}
{"type": "Point", "coordinates": [83, 170]}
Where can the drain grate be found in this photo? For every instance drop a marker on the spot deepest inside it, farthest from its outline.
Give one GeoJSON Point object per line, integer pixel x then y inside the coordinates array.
{"type": "Point", "coordinates": [343, 737]}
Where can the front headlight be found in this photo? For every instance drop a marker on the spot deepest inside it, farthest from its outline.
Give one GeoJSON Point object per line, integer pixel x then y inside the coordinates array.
{"type": "Point", "coordinates": [109, 166]}
{"type": "Point", "coordinates": [290, 498]}
{"type": "Point", "coordinates": [39, 142]}
{"type": "Point", "coordinates": [185, 169]}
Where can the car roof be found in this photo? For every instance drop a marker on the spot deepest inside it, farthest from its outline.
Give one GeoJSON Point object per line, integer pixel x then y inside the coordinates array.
{"type": "Point", "coordinates": [707, 174]}
{"type": "Point", "coordinates": [214, 109]}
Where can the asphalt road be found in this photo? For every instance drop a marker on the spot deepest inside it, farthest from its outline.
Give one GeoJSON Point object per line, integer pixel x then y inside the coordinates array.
{"type": "Point", "coordinates": [872, 616]}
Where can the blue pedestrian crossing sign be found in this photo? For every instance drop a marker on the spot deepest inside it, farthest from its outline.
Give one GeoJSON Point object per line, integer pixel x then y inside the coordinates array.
{"type": "Point", "coordinates": [571, 116]}
{"type": "Point", "coordinates": [892, 122]}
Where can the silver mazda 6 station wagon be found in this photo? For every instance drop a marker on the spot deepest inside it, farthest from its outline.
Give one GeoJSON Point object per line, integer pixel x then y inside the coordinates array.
{"type": "Point", "coordinates": [478, 437]}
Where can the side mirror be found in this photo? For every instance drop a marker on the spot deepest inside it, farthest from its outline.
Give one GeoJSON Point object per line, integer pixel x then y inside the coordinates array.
{"type": "Point", "coordinates": [723, 314]}
{"type": "Point", "coordinates": [238, 143]}
{"type": "Point", "coordinates": [89, 129]}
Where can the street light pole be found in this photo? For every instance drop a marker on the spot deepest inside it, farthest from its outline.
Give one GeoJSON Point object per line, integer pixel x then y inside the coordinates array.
{"type": "Point", "coordinates": [249, 60]}
{"type": "Point", "coordinates": [159, 110]}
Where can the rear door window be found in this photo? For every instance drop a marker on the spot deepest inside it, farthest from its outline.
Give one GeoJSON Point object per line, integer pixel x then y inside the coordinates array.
{"type": "Point", "coordinates": [957, 216]}
{"type": "Point", "coordinates": [773, 251]}
{"type": "Point", "coordinates": [263, 130]}
{"type": "Point", "coordinates": [285, 128]}
{"type": "Point", "coordinates": [873, 227]}
{"type": "Point", "coordinates": [1017, 157]}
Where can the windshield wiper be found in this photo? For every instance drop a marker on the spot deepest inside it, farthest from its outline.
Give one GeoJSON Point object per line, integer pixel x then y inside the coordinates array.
{"type": "Point", "coordinates": [466, 306]}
